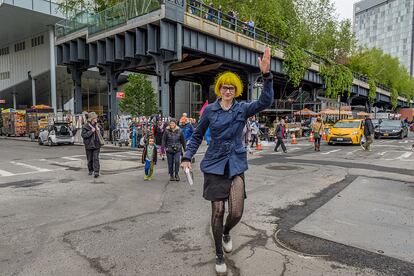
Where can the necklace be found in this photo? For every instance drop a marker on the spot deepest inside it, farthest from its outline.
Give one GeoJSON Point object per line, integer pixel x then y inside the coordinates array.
{"type": "Point", "coordinates": [225, 108]}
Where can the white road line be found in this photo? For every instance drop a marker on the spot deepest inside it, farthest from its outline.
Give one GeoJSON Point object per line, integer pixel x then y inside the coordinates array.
{"type": "Point", "coordinates": [405, 155]}
{"type": "Point", "coordinates": [382, 153]}
{"type": "Point", "coordinates": [5, 173]}
{"type": "Point", "coordinates": [331, 151]}
{"type": "Point", "coordinates": [71, 158]}
{"type": "Point", "coordinates": [132, 153]}
{"type": "Point", "coordinates": [30, 166]}
{"type": "Point", "coordinates": [352, 152]}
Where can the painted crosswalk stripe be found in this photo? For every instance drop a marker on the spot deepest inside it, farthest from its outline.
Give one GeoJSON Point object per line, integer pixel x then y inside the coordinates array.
{"type": "Point", "coordinates": [71, 158]}
{"type": "Point", "coordinates": [30, 166]}
{"type": "Point", "coordinates": [331, 151]}
{"type": "Point", "coordinates": [5, 173]}
{"type": "Point", "coordinates": [405, 155]}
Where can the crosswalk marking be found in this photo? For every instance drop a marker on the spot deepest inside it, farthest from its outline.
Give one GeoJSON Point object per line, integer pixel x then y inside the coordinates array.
{"type": "Point", "coordinates": [30, 166]}
{"type": "Point", "coordinates": [71, 158]}
{"type": "Point", "coordinates": [352, 152]}
{"type": "Point", "coordinates": [331, 151]}
{"type": "Point", "coordinates": [5, 173]}
{"type": "Point", "coordinates": [405, 155]}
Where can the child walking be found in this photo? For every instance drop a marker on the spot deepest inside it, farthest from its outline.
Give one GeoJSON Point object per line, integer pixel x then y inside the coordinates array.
{"type": "Point", "coordinates": [149, 158]}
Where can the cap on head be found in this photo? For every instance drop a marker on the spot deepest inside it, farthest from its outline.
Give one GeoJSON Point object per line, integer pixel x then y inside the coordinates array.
{"type": "Point", "coordinates": [228, 78]}
{"type": "Point", "coordinates": [91, 116]}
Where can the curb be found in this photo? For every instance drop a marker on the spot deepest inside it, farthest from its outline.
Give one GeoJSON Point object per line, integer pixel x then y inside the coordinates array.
{"type": "Point", "coordinates": [110, 146]}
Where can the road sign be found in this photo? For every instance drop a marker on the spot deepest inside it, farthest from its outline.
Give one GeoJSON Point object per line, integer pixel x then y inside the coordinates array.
{"type": "Point", "coordinates": [2, 101]}
{"type": "Point", "coordinates": [120, 95]}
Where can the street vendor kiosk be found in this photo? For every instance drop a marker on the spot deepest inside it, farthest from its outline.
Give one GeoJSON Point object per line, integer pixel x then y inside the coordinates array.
{"type": "Point", "coordinates": [37, 119]}
{"type": "Point", "coordinates": [14, 122]}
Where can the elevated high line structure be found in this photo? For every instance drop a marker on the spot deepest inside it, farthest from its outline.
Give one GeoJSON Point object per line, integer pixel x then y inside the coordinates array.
{"type": "Point", "coordinates": [178, 40]}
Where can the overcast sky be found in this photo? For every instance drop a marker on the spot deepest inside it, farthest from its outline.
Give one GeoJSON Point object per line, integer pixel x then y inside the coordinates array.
{"type": "Point", "coordinates": [345, 8]}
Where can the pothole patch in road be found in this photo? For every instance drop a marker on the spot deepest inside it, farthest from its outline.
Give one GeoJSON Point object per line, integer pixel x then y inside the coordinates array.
{"type": "Point", "coordinates": [283, 168]}
{"type": "Point", "coordinates": [23, 183]}
{"type": "Point", "coordinates": [310, 245]}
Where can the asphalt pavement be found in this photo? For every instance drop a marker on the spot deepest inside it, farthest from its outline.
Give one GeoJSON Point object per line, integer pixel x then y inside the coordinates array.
{"type": "Point", "coordinates": [306, 213]}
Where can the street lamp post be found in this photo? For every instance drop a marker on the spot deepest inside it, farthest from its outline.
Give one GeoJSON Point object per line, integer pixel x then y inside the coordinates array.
{"type": "Point", "coordinates": [339, 106]}
{"type": "Point", "coordinates": [290, 100]}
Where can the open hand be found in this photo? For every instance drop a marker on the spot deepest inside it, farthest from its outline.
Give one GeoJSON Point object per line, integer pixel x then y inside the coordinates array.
{"type": "Point", "coordinates": [186, 164]}
{"type": "Point", "coordinates": [264, 63]}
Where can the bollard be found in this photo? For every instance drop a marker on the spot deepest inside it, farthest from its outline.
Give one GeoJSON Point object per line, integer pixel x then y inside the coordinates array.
{"type": "Point", "coordinates": [134, 137]}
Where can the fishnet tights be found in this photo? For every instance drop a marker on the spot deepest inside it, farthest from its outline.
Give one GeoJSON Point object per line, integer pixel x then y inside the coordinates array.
{"type": "Point", "coordinates": [236, 206]}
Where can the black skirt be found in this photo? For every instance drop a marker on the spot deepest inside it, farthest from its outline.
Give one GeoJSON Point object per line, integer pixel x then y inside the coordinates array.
{"type": "Point", "coordinates": [217, 187]}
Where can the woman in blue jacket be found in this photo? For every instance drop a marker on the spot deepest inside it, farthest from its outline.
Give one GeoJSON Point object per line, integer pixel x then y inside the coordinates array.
{"type": "Point", "coordinates": [225, 161]}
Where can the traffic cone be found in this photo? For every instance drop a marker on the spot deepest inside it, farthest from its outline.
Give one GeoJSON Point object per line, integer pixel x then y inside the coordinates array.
{"type": "Point", "coordinates": [324, 136]}
{"type": "Point", "coordinates": [259, 146]}
{"type": "Point", "coordinates": [311, 137]}
{"type": "Point", "coordinates": [294, 139]}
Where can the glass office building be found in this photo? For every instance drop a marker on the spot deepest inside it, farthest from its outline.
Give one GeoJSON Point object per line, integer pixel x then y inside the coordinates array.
{"type": "Point", "coordinates": [387, 25]}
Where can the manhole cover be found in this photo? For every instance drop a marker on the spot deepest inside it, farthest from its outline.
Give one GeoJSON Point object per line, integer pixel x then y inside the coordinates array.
{"type": "Point", "coordinates": [283, 168]}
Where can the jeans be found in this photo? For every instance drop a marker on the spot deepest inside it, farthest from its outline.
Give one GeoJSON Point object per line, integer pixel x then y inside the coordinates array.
{"type": "Point", "coordinates": [92, 155]}
{"type": "Point", "coordinates": [254, 139]}
{"type": "Point", "coordinates": [173, 162]}
{"type": "Point", "coordinates": [280, 143]}
{"type": "Point", "coordinates": [318, 141]}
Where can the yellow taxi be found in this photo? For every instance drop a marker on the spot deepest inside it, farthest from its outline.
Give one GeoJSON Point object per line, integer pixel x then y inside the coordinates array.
{"type": "Point", "coordinates": [346, 132]}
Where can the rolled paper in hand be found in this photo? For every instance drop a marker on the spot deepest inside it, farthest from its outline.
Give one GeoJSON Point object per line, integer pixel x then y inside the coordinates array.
{"type": "Point", "coordinates": [189, 176]}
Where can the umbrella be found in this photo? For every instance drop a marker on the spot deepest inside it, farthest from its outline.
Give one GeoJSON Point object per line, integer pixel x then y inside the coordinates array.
{"type": "Point", "coordinates": [329, 112]}
{"type": "Point", "coordinates": [362, 113]}
{"type": "Point", "coordinates": [305, 112]}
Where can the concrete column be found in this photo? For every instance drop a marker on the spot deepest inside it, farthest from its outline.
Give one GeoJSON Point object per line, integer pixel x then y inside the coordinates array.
{"type": "Point", "coordinates": [111, 79]}
{"type": "Point", "coordinates": [34, 91]}
{"type": "Point", "coordinates": [164, 87]}
{"type": "Point", "coordinates": [14, 98]}
{"type": "Point", "coordinates": [52, 68]}
{"type": "Point", "coordinates": [77, 90]}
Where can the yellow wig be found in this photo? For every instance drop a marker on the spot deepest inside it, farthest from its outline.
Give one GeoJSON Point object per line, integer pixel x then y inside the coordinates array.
{"type": "Point", "coordinates": [228, 78]}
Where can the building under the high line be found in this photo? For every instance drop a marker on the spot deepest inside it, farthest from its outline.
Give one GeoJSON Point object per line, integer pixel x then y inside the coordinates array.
{"type": "Point", "coordinates": [387, 25]}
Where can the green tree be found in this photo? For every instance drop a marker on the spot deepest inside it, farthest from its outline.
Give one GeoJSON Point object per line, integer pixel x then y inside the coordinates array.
{"type": "Point", "coordinates": [71, 7]}
{"type": "Point", "coordinates": [140, 99]}
{"type": "Point", "coordinates": [384, 69]}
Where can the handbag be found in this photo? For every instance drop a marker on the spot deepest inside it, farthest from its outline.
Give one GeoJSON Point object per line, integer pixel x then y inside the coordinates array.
{"type": "Point", "coordinates": [101, 139]}
{"type": "Point", "coordinates": [316, 135]}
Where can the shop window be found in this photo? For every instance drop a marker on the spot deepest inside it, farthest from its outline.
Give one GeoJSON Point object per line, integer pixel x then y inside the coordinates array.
{"type": "Point", "coordinates": [4, 51]}
{"type": "Point", "coordinates": [5, 75]}
{"type": "Point", "coordinates": [38, 41]}
{"type": "Point", "coordinates": [19, 46]}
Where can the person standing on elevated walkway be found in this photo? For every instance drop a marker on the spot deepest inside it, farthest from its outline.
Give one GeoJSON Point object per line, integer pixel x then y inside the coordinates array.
{"type": "Point", "coordinates": [225, 161]}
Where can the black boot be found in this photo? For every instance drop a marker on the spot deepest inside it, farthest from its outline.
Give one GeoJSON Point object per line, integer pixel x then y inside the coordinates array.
{"type": "Point", "coordinates": [177, 177]}
{"type": "Point", "coordinates": [172, 178]}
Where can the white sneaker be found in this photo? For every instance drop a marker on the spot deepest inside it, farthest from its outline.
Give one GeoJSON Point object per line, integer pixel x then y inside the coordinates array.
{"type": "Point", "coordinates": [221, 267]}
{"type": "Point", "coordinates": [227, 244]}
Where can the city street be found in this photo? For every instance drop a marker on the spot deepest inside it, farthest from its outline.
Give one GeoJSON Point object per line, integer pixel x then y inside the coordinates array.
{"type": "Point", "coordinates": [341, 211]}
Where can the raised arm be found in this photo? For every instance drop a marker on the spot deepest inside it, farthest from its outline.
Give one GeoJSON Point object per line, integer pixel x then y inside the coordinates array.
{"type": "Point", "coordinates": [267, 95]}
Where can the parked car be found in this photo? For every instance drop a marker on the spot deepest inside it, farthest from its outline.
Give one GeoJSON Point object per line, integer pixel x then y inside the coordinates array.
{"type": "Point", "coordinates": [376, 122]}
{"type": "Point", "coordinates": [56, 134]}
{"type": "Point", "coordinates": [391, 129]}
{"type": "Point", "coordinates": [346, 132]}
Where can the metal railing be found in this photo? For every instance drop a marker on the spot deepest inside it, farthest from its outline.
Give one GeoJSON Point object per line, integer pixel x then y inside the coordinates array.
{"type": "Point", "coordinates": [70, 25]}
{"type": "Point", "coordinates": [120, 13]}
{"type": "Point", "coordinates": [114, 16]}
{"type": "Point", "coordinates": [198, 8]}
